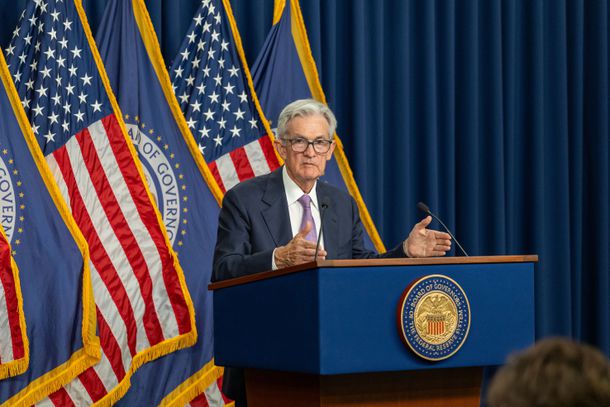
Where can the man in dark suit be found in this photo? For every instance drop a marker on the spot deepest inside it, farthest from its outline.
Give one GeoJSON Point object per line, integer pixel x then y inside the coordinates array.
{"type": "Point", "coordinates": [273, 221]}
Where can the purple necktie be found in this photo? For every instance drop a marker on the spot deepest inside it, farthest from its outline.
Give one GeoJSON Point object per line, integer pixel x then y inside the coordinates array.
{"type": "Point", "coordinates": [305, 201]}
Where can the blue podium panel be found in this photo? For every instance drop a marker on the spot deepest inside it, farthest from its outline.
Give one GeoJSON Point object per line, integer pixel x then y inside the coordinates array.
{"type": "Point", "coordinates": [337, 320]}
{"type": "Point", "coordinates": [271, 324]}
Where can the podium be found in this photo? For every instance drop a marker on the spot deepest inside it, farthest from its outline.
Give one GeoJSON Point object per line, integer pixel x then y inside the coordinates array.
{"type": "Point", "coordinates": [328, 333]}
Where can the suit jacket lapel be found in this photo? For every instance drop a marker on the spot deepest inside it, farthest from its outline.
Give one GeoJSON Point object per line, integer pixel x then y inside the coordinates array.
{"type": "Point", "coordinates": [275, 209]}
{"type": "Point", "coordinates": [329, 222]}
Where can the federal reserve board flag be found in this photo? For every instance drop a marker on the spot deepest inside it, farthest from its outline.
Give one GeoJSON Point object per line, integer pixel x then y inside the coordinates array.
{"type": "Point", "coordinates": [184, 190]}
{"type": "Point", "coordinates": [14, 345]}
{"type": "Point", "coordinates": [143, 307]}
{"type": "Point", "coordinates": [53, 263]}
{"type": "Point", "coordinates": [213, 85]}
{"type": "Point", "coordinates": [286, 71]}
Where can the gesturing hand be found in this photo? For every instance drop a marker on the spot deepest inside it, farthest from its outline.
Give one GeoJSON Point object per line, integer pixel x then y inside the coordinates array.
{"type": "Point", "coordinates": [298, 250]}
{"type": "Point", "coordinates": [424, 242]}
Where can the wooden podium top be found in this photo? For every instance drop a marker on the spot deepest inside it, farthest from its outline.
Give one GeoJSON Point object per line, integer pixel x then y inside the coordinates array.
{"type": "Point", "coordinates": [427, 261]}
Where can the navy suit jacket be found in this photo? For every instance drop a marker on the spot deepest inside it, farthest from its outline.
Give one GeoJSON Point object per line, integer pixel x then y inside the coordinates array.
{"type": "Point", "coordinates": [254, 220]}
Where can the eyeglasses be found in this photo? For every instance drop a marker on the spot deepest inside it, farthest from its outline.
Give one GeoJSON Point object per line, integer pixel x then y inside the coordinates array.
{"type": "Point", "coordinates": [300, 145]}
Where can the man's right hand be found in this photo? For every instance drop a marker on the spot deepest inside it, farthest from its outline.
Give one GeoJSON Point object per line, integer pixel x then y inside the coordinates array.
{"type": "Point", "coordinates": [298, 250]}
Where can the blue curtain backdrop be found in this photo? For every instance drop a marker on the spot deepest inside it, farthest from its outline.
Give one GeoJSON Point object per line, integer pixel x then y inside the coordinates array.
{"type": "Point", "coordinates": [494, 113]}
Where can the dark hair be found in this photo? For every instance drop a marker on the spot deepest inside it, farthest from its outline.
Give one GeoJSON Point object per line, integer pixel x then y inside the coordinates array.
{"type": "Point", "coordinates": [554, 372]}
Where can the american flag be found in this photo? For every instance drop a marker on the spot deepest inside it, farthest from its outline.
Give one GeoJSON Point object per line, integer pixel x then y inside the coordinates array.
{"type": "Point", "coordinates": [143, 308]}
{"type": "Point", "coordinates": [185, 191]}
{"type": "Point", "coordinates": [14, 352]}
{"type": "Point", "coordinates": [214, 89]}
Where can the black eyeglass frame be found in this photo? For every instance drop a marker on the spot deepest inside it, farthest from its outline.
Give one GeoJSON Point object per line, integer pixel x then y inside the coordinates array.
{"type": "Point", "coordinates": [316, 144]}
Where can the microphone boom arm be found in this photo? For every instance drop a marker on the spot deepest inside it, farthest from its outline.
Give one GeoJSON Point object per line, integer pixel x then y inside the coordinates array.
{"type": "Point", "coordinates": [424, 208]}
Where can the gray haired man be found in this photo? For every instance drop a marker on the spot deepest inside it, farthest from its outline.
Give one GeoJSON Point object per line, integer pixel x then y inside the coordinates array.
{"type": "Point", "coordinates": [274, 221]}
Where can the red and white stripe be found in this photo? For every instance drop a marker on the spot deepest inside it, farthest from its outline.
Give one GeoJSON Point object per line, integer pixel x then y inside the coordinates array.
{"type": "Point", "coordinates": [137, 292]}
{"type": "Point", "coordinates": [436, 327]}
{"type": "Point", "coordinates": [211, 397]}
{"type": "Point", "coordinates": [11, 335]}
{"type": "Point", "coordinates": [253, 159]}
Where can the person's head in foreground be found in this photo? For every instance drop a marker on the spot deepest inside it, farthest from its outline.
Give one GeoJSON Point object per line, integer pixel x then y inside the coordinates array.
{"type": "Point", "coordinates": [555, 372]}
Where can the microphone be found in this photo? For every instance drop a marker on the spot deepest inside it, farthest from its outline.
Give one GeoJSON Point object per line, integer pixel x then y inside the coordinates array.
{"type": "Point", "coordinates": [424, 208]}
{"type": "Point", "coordinates": [323, 207]}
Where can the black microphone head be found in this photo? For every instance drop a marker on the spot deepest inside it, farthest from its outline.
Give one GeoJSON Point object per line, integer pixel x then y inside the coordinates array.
{"type": "Point", "coordinates": [324, 202]}
{"type": "Point", "coordinates": [424, 208]}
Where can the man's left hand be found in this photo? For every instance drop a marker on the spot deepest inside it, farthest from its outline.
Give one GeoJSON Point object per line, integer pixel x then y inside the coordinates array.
{"type": "Point", "coordinates": [424, 242]}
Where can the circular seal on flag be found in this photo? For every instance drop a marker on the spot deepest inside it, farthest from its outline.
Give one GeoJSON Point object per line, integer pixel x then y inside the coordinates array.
{"type": "Point", "coordinates": [434, 317]}
{"type": "Point", "coordinates": [165, 186]}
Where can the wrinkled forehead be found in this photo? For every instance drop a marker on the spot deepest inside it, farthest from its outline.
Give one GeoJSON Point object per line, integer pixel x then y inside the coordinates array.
{"type": "Point", "coordinates": [313, 124]}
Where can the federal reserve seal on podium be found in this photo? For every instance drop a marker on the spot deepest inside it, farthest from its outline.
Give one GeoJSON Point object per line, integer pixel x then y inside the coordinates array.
{"type": "Point", "coordinates": [434, 317]}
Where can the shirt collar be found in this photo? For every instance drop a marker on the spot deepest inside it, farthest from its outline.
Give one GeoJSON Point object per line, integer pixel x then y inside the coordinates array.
{"type": "Point", "coordinates": [294, 192]}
